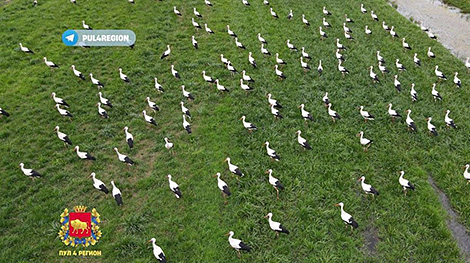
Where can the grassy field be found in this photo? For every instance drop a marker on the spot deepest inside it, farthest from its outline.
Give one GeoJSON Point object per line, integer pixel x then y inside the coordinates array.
{"type": "Point", "coordinates": [393, 227]}
{"type": "Point", "coordinates": [464, 5]}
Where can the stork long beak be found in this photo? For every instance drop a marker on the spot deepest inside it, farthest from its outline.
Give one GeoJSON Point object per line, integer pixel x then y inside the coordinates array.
{"type": "Point", "coordinates": [228, 234]}
{"type": "Point", "coordinates": [267, 171]}
{"type": "Point", "coordinates": [359, 134]}
{"type": "Point", "coordinates": [360, 179]}
{"type": "Point", "coordinates": [266, 216]}
{"type": "Point", "coordinates": [149, 241]}
{"type": "Point", "coordinates": [214, 176]}
{"type": "Point", "coordinates": [336, 204]}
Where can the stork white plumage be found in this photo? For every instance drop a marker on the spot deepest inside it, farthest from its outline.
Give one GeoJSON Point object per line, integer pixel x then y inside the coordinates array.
{"type": "Point", "coordinates": [83, 155]}
{"type": "Point", "coordinates": [104, 100]}
{"type": "Point", "coordinates": [223, 59]}
{"type": "Point", "coordinates": [333, 114]}
{"type": "Point", "coordinates": [116, 194]}
{"type": "Point", "coordinates": [273, 14]}
{"type": "Point", "coordinates": [431, 127]}
{"type": "Point", "coordinates": [50, 64]}
{"type": "Point", "coordinates": [58, 100]}
{"type": "Point", "coordinates": [325, 24]}
{"type": "Point", "coordinates": [62, 136]}
{"type": "Point", "coordinates": [449, 122]}
{"type": "Point", "coordinates": [319, 68]}
{"type": "Point", "coordinates": [372, 75]}
{"type": "Point", "coordinates": [251, 60]}
{"type": "Point", "coordinates": [220, 87]}
{"type": "Point", "coordinates": [397, 83]}
{"type": "Point", "coordinates": [305, 114]}
{"type": "Point", "coordinates": [271, 153]}
{"type": "Point", "coordinates": [123, 76]}
{"type": "Point", "coordinates": [248, 125]}
{"type": "Point", "coordinates": [382, 68]}
{"type": "Point", "coordinates": [305, 54]}
{"type": "Point", "coordinates": [208, 30]}
{"type": "Point", "coordinates": [413, 93]}
{"type": "Point", "coordinates": [262, 39]}
{"type": "Point", "coordinates": [280, 61]}
{"type": "Point", "coordinates": [305, 21]}
{"type": "Point", "coordinates": [466, 173]}
{"type": "Point", "coordinates": [363, 10]}
{"type": "Point", "coordinates": [322, 33]}
{"type": "Point", "coordinates": [409, 121]}
{"type": "Point", "coordinates": [264, 50]}
{"type": "Point", "coordinates": [347, 19]}
{"type": "Point", "coordinates": [196, 13]}
{"type": "Point", "coordinates": [223, 187]}
{"type": "Point", "coordinates": [399, 65]}
{"type": "Point", "coordinates": [346, 28]}
{"type": "Point", "coordinates": [367, 188]}
{"type": "Point", "coordinates": [326, 12]}
{"type": "Point", "coordinates": [338, 55]}
{"type": "Point", "coordinates": [435, 93]}
{"type": "Point", "coordinates": [185, 110]}
{"type": "Point", "coordinates": [187, 94]}
{"type": "Point", "coordinates": [158, 86]}
{"type": "Point", "coordinates": [342, 69]}
{"type": "Point", "coordinates": [98, 184]}
{"type": "Point", "coordinates": [206, 77]}
{"type": "Point", "coordinates": [365, 114]}
{"type": "Point", "coordinates": [168, 144]}
{"type": "Point", "coordinates": [129, 137]}
{"type": "Point", "coordinates": [385, 26]}
{"type": "Point", "coordinates": [347, 218]}
{"type": "Point", "coordinates": [290, 45]}
{"type": "Point", "coordinates": [174, 187]}
{"type": "Point", "coordinates": [290, 15]}
{"type": "Point", "coordinates": [195, 24]}
{"type": "Point", "coordinates": [239, 44]}
{"type": "Point", "coordinates": [166, 53]}
{"type": "Point", "coordinates": [325, 99]}
{"type": "Point", "coordinates": [348, 36]}
{"type": "Point", "coordinates": [393, 113]}
{"type": "Point", "coordinates": [374, 16]}
{"type": "Point", "coordinates": [393, 33]}
{"type": "Point", "coordinates": [244, 86]}
{"type": "Point", "coordinates": [275, 112]}
{"type": "Point", "coordinates": [231, 68]}
{"type": "Point", "coordinates": [276, 226]}
{"type": "Point", "coordinates": [405, 183]}
{"type": "Point", "coordinates": [416, 60]}
{"type": "Point", "coordinates": [157, 251]}
{"type": "Point", "coordinates": [364, 141]}
{"type": "Point", "coordinates": [380, 58]}
{"type": "Point", "coordinates": [96, 81]}
{"type": "Point", "coordinates": [422, 27]}
{"type": "Point", "coordinates": [274, 182]}
{"type": "Point", "coordinates": [404, 44]}
{"type": "Point", "coordinates": [265, 2]}
{"type": "Point", "coordinates": [245, 77]}
{"type": "Point", "coordinates": [123, 158]}
{"type": "Point", "coordinates": [431, 35]}
{"type": "Point", "coordinates": [174, 72]}
{"type": "Point", "coordinates": [467, 63]}
{"type": "Point", "coordinates": [31, 173]}
{"type": "Point", "coordinates": [274, 102]}
{"type": "Point", "coordinates": [186, 125]}
{"type": "Point", "coordinates": [64, 113]}
{"type": "Point", "coordinates": [102, 112]}
{"type": "Point", "coordinates": [176, 11]}
{"type": "Point", "coordinates": [438, 73]}
{"type": "Point", "coordinates": [149, 119]}
{"type": "Point", "coordinates": [208, 3]}
{"type": "Point", "coordinates": [25, 49]}
{"type": "Point", "coordinates": [237, 244]}
{"type": "Point", "coordinates": [367, 30]}
{"type": "Point", "coordinates": [430, 53]}
{"type": "Point", "coordinates": [457, 80]}
{"type": "Point", "coordinates": [230, 32]}
{"type": "Point", "coordinates": [279, 73]}
{"type": "Point", "coordinates": [302, 141]}
{"type": "Point", "coordinates": [233, 168]}
{"type": "Point", "coordinates": [245, 2]}
{"type": "Point", "coordinates": [85, 26]}
{"type": "Point", "coordinates": [194, 42]}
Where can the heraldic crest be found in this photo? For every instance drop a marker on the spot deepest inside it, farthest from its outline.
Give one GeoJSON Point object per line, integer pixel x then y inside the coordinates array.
{"type": "Point", "coordinates": [79, 227]}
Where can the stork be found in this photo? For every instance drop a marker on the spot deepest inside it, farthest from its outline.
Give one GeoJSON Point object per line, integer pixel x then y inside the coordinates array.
{"type": "Point", "coordinates": [248, 125]}
{"type": "Point", "coordinates": [274, 102]}
{"type": "Point", "coordinates": [368, 189]}
{"type": "Point", "coordinates": [279, 73]}
{"type": "Point", "coordinates": [102, 112]}
{"type": "Point", "coordinates": [261, 39]}
{"type": "Point", "coordinates": [264, 50]}
{"type": "Point", "coordinates": [194, 42]}
{"type": "Point", "coordinates": [116, 194]}
{"type": "Point", "coordinates": [185, 110]}
{"type": "Point", "coordinates": [149, 119]}
{"type": "Point", "coordinates": [342, 69]}
{"type": "Point", "coordinates": [98, 184]}
{"type": "Point", "coordinates": [435, 93]}
{"type": "Point", "coordinates": [96, 81]}
{"type": "Point", "coordinates": [251, 60]}
{"type": "Point", "coordinates": [404, 44]}
{"type": "Point", "coordinates": [374, 16]}
{"type": "Point", "coordinates": [409, 121]}
{"type": "Point", "coordinates": [237, 244]}
{"type": "Point", "coordinates": [405, 183]}
{"type": "Point", "coordinates": [393, 113]}
{"type": "Point", "coordinates": [439, 74]}
{"type": "Point", "coordinates": [176, 11]}
{"type": "Point", "coordinates": [325, 99]}
{"type": "Point", "coordinates": [413, 93]}
{"type": "Point", "coordinates": [123, 158]}
{"type": "Point", "coordinates": [333, 114]}
{"type": "Point", "coordinates": [302, 141]}
{"type": "Point", "coordinates": [372, 75]}
{"type": "Point", "coordinates": [123, 76]}
{"type": "Point", "coordinates": [430, 53]}
{"type": "Point", "coordinates": [280, 61]}
{"type": "Point", "coordinates": [416, 60]}
{"type": "Point", "coordinates": [367, 30]}
{"type": "Point", "coordinates": [276, 226]}
{"type": "Point", "coordinates": [347, 218]}
{"type": "Point", "coordinates": [275, 112]}
{"type": "Point", "coordinates": [397, 83]}
{"type": "Point", "coordinates": [166, 53]}
{"type": "Point", "coordinates": [59, 101]}
{"type": "Point", "coordinates": [431, 127]}
{"type": "Point", "coordinates": [31, 173]}
{"type": "Point", "coordinates": [50, 64]}
{"type": "Point", "coordinates": [399, 66]}
{"type": "Point", "coordinates": [305, 54]}
{"type": "Point", "coordinates": [364, 141]}
{"type": "Point", "coordinates": [220, 87]}
{"type": "Point", "coordinates": [305, 21]}
{"type": "Point", "coordinates": [290, 15]}
{"type": "Point", "coordinates": [379, 57]}
{"type": "Point", "coordinates": [290, 45]}
{"type": "Point", "coordinates": [271, 153]}
{"type": "Point", "coordinates": [174, 187]}
{"type": "Point", "coordinates": [223, 187]}
{"type": "Point", "coordinates": [195, 24]}
{"type": "Point", "coordinates": [196, 13]}
{"type": "Point", "coordinates": [466, 173]}
{"type": "Point", "coordinates": [186, 125]}
{"type": "Point", "coordinates": [457, 80]}
{"type": "Point", "coordinates": [152, 104]}
{"type": "Point", "coordinates": [104, 100]}
{"type": "Point", "coordinates": [347, 19]}
{"type": "Point", "coordinates": [233, 168]}
{"type": "Point", "coordinates": [363, 10]}
{"type": "Point", "coordinates": [62, 136]}
{"type": "Point", "coordinates": [208, 30]}
{"type": "Point", "coordinates": [25, 49]}
{"type": "Point", "coordinates": [83, 155]}
{"type": "Point", "coordinates": [319, 68]}
{"type": "Point", "coordinates": [305, 114]}
{"type": "Point", "coordinates": [157, 251]}
{"type": "Point", "coordinates": [207, 78]}
{"type": "Point", "coordinates": [365, 114]}
{"type": "Point", "coordinates": [174, 72]}
{"type": "Point", "coordinates": [187, 94]}
{"type": "Point", "coordinates": [274, 182]}
{"type": "Point", "coordinates": [273, 14]}
{"type": "Point", "coordinates": [85, 26]}
{"type": "Point", "coordinates": [168, 144]}
{"type": "Point", "coordinates": [384, 26]}
{"type": "Point", "coordinates": [449, 122]}
{"type": "Point", "coordinates": [77, 73]}
{"type": "Point", "coordinates": [64, 113]}
{"type": "Point", "coordinates": [129, 137]}
{"type": "Point", "coordinates": [239, 44]}
{"type": "Point", "coordinates": [322, 33]}
{"type": "Point", "coordinates": [326, 12]}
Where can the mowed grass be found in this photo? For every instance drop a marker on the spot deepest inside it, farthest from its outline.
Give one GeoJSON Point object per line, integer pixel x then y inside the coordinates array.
{"type": "Point", "coordinates": [408, 228]}
{"type": "Point", "coordinates": [464, 5]}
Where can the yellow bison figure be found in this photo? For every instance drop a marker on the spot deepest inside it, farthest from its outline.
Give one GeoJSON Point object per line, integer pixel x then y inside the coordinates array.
{"type": "Point", "coordinates": [79, 225]}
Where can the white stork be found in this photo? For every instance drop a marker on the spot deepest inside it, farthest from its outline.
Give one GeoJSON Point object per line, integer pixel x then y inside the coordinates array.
{"type": "Point", "coordinates": [208, 30]}
{"type": "Point", "coordinates": [208, 3]}
{"type": "Point", "coordinates": [365, 114]}
{"type": "Point", "coordinates": [237, 244]}
{"type": "Point", "coordinates": [196, 13]}
{"type": "Point", "coordinates": [64, 113]}
{"type": "Point", "coordinates": [382, 68]}
{"type": "Point", "coordinates": [244, 86]}
{"type": "Point", "coordinates": [449, 122]}
{"type": "Point", "coordinates": [104, 100]}
{"type": "Point", "coordinates": [430, 53]}
{"type": "Point", "coordinates": [368, 189]}
{"type": "Point", "coordinates": [416, 60]}
{"type": "Point", "coordinates": [98, 184]}
{"type": "Point", "coordinates": [62, 136]}
{"type": "Point", "coordinates": [174, 187]}
{"type": "Point", "coordinates": [457, 80]}
{"type": "Point", "coordinates": [397, 83]}
{"type": "Point", "coordinates": [305, 21]}
{"type": "Point", "coordinates": [157, 251]}
{"type": "Point", "coordinates": [274, 182]}
{"type": "Point", "coordinates": [399, 65]}
{"type": "Point", "coordinates": [290, 15]}
{"type": "Point", "coordinates": [393, 113]}
{"type": "Point", "coordinates": [252, 60]}
{"type": "Point", "coordinates": [166, 53]}
{"type": "Point", "coordinates": [83, 155]}
{"type": "Point", "coordinates": [176, 11]}
{"type": "Point", "coordinates": [431, 127]}
{"type": "Point", "coordinates": [152, 104]}
{"type": "Point", "coordinates": [409, 121]}
{"type": "Point", "coordinates": [195, 24]}
{"type": "Point", "coordinates": [404, 44]}
{"type": "Point", "coordinates": [374, 16]}
{"type": "Point", "coordinates": [280, 61]}
{"type": "Point", "coordinates": [466, 173]}
{"type": "Point", "coordinates": [233, 168]}
{"type": "Point", "coordinates": [245, 77]}
{"type": "Point", "coordinates": [305, 54]}
{"type": "Point", "coordinates": [261, 39]}
{"type": "Point", "coordinates": [129, 137]}
{"type": "Point", "coordinates": [275, 112]}
{"type": "Point", "coordinates": [186, 125]}
{"type": "Point", "coordinates": [325, 99]}
{"type": "Point", "coordinates": [116, 194]}
{"type": "Point", "coordinates": [50, 64]}
{"type": "Point", "coordinates": [273, 14]}
{"type": "Point", "coordinates": [230, 32]}
{"type": "Point", "coordinates": [185, 110]}
{"type": "Point", "coordinates": [305, 114]}
{"type": "Point", "coordinates": [363, 10]}
{"type": "Point", "coordinates": [174, 72]}
{"type": "Point", "coordinates": [347, 218]}
{"type": "Point", "coordinates": [187, 94]}
{"type": "Point", "coordinates": [245, 2]}
{"type": "Point", "coordinates": [322, 33]}
{"type": "Point", "coordinates": [435, 93]}
{"type": "Point", "coordinates": [274, 102]}
{"type": "Point", "coordinates": [271, 153]}
{"type": "Point", "coordinates": [302, 141]}
{"type": "Point", "coordinates": [149, 119]}
{"type": "Point", "coordinates": [220, 87]}
{"type": "Point", "coordinates": [264, 50]}
{"type": "Point", "coordinates": [207, 78]}
{"type": "Point", "coordinates": [58, 100]}
{"type": "Point", "coordinates": [123, 158]}
{"type": "Point", "coordinates": [342, 69]}
{"type": "Point", "coordinates": [326, 12]}
{"type": "Point", "coordinates": [438, 73]}
{"type": "Point", "coordinates": [123, 76]}
{"type": "Point", "coordinates": [372, 75]}
{"type": "Point", "coordinates": [384, 26]}
{"type": "Point", "coordinates": [223, 187]}
{"type": "Point", "coordinates": [413, 93]}
{"type": "Point", "coordinates": [25, 49]}
{"type": "Point", "coordinates": [367, 30]}
{"type": "Point", "coordinates": [194, 42]}
{"type": "Point", "coordinates": [319, 68]}
{"type": "Point", "coordinates": [290, 45]}
{"type": "Point", "coordinates": [333, 114]}
{"type": "Point", "coordinates": [31, 173]}
{"type": "Point", "coordinates": [380, 58]}
{"type": "Point", "coordinates": [168, 144]}
{"type": "Point", "coordinates": [279, 73]}
{"type": "Point", "coordinates": [276, 226]}
{"type": "Point", "coordinates": [85, 26]}
{"type": "Point", "coordinates": [248, 125]}
{"type": "Point", "coordinates": [102, 112]}
{"type": "Point", "coordinates": [325, 24]}
{"type": "Point", "coordinates": [77, 73]}
{"type": "Point", "coordinates": [405, 183]}
{"type": "Point", "coordinates": [364, 141]}
{"type": "Point", "coordinates": [96, 81]}
{"type": "Point", "coordinates": [239, 44]}
{"type": "Point", "coordinates": [347, 19]}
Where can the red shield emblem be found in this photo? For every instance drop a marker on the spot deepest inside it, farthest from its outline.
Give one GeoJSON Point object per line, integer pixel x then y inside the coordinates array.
{"type": "Point", "coordinates": [80, 225]}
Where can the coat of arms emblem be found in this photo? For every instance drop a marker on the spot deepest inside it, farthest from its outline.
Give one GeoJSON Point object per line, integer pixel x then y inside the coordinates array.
{"type": "Point", "coordinates": [80, 227]}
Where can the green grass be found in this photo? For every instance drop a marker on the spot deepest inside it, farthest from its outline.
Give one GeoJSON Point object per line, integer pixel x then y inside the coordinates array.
{"type": "Point", "coordinates": [464, 5]}
{"type": "Point", "coordinates": [409, 229]}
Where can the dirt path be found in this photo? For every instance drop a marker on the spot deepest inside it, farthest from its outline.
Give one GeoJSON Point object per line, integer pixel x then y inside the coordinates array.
{"type": "Point", "coordinates": [451, 27]}
{"type": "Point", "coordinates": [459, 232]}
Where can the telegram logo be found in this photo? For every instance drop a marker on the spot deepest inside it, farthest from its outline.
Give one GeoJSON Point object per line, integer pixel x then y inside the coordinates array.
{"type": "Point", "coordinates": [70, 37]}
